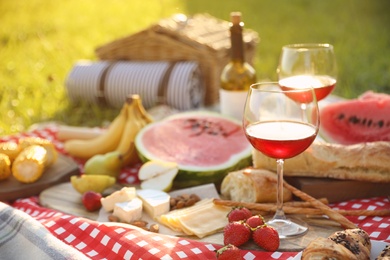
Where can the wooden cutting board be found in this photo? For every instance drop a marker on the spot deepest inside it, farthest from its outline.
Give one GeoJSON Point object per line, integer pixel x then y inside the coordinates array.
{"type": "Point", "coordinates": [63, 197]}
{"type": "Point", "coordinates": [11, 189]}
{"type": "Point", "coordinates": [339, 190]}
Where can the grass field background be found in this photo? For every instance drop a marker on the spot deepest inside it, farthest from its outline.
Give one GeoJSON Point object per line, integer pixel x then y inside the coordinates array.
{"type": "Point", "coordinates": [41, 40]}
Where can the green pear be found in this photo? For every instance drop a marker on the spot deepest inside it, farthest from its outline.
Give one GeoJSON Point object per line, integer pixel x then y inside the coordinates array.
{"type": "Point", "coordinates": [158, 175]}
{"type": "Point", "coordinates": [104, 164]}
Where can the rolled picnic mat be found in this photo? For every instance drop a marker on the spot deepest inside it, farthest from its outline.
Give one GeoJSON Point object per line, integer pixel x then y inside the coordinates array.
{"type": "Point", "coordinates": [179, 84]}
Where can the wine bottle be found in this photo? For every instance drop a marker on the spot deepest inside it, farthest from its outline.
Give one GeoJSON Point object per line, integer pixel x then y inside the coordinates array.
{"type": "Point", "coordinates": [237, 75]}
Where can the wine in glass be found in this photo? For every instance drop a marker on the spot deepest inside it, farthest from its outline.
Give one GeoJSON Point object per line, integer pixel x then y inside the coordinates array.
{"type": "Point", "coordinates": [308, 64]}
{"type": "Point", "coordinates": [281, 123]}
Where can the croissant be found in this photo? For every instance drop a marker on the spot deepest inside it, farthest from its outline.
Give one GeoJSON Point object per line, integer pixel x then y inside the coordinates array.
{"type": "Point", "coordinates": [347, 244]}
{"type": "Point", "coordinates": [384, 254]}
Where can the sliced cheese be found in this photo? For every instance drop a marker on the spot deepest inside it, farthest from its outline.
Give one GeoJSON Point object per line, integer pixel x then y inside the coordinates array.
{"type": "Point", "coordinates": [190, 211]}
{"type": "Point", "coordinates": [207, 221]}
{"type": "Point", "coordinates": [170, 219]}
{"type": "Point", "coordinates": [155, 202]}
{"type": "Point", "coordinates": [123, 195]}
{"type": "Point", "coordinates": [128, 211]}
{"type": "Point", "coordinates": [202, 219]}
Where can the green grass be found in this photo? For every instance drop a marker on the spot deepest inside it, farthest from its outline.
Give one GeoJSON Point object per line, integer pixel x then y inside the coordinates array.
{"type": "Point", "coordinates": [41, 40]}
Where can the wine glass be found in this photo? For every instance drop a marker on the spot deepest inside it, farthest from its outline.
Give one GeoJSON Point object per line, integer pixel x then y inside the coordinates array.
{"type": "Point", "coordinates": [281, 123]}
{"type": "Point", "coordinates": [308, 64]}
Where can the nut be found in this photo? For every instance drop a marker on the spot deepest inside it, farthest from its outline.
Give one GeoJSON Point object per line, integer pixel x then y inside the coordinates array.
{"type": "Point", "coordinates": [139, 223]}
{"type": "Point", "coordinates": [113, 218]}
{"type": "Point", "coordinates": [189, 202]}
{"type": "Point", "coordinates": [183, 200]}
{"type": "Point", "coordinates": [172, 202]}
{"type": "Point", "coordinates": [195, 197]}
{"type": "Point", "coordinates": [154, 228]}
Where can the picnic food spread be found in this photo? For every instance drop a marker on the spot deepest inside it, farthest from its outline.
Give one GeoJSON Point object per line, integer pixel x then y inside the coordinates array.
{"type": "Point", "coordinates": [195, 177]}
{"type": "Point", "coordinates": [245, 187]}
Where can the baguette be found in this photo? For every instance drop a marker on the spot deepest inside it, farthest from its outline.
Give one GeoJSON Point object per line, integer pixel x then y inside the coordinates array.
{"type": "Point", "coordinates": [362, 162]}
{"type": "Point", "coordinates": [252, 185]}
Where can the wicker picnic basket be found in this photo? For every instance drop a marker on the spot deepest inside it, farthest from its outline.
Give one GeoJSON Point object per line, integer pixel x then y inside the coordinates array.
{"type": "Point", "coordinates": [200, 38]}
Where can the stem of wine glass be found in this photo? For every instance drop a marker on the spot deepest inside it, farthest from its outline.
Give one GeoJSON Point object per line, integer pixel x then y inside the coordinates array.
{"type": "Point", "coordinates": [279, 213]}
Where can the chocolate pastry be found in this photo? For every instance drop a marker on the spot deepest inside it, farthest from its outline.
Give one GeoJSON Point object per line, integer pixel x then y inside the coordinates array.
{"type": "Point", "coordinates": [347, 244]}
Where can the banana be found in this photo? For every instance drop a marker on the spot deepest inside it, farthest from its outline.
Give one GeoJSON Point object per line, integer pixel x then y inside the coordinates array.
{"type": "Point", "coordinates": [137, 118]}
{"type": "Point", "coordinates": [104, 143]}
{"type": "Point", "coordinates": [144, 116]}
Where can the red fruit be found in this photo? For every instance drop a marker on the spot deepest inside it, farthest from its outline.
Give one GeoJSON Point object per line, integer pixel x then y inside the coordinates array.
{"type": "Point", "coordinates": [91, 200]}
{"type": "Point", "coordinates": [239, 213]}
{"type": "Point", "coordinates": [229, 252]}
{"type": "Point", "coordinates": [266, 237]}
{"type": "Point", "coordinates": [236, 233]}
{"type": "Point", "coordinates": [255, 221]}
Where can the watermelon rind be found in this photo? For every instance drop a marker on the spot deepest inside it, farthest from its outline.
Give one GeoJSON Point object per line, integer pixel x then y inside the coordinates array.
{"type": "Point", "coordinates": [188, 175]}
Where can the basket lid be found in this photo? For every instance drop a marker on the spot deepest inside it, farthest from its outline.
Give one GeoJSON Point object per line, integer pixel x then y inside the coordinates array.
{"type": "Point", "coordinates": [199, 32]}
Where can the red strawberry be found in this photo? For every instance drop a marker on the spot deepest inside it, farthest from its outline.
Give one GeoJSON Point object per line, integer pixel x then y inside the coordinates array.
{"type": "Point", "coordinates": [255, 221]}
{"type": "Point", "coordinates": [229, 252]}
{"type": "Point", "coordinates": [236, 233]}
{"type": "Point", "coordinates": [239, 213]}
{"type": "Point", "coordinates": [266, 237]}
{"type": "Point", "coordinates": [91, 200]}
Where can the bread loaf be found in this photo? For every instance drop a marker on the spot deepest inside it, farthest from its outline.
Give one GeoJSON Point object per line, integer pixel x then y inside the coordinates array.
{"type": "Point", "coordinates": [362, 162]}
{"type": "Point", "coordinates": [252, 185]}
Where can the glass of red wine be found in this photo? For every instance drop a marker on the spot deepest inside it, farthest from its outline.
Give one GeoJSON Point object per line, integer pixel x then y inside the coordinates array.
{"type": "Point", "coordinates": [281, 123]}
{"type": "Point", "coordinates": [308, 65]}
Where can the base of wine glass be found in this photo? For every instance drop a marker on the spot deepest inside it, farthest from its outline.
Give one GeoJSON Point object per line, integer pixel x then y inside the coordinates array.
{"type": "Point", "coordinates": [288, 228]}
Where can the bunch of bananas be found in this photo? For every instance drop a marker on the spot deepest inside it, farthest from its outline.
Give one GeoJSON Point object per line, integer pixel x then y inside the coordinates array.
{"type": "Point", "coordinates": [119, 136]}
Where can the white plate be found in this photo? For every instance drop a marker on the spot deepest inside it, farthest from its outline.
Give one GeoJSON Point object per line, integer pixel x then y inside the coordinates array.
{"type": "Point", "coordinates": [376, 248]}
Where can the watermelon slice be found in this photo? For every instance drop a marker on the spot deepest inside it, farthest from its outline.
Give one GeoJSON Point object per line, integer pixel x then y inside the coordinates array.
{"type": "Point", "coordinates": [205, 145]}
{"type": "Point", "coordinates": [366, 119]}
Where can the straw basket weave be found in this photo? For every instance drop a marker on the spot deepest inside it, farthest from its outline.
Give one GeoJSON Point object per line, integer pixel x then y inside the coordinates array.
{"type": "Point", "coordinates": [200, 38]}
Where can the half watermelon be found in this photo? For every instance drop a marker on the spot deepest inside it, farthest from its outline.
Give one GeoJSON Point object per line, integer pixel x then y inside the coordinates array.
{"type": "Point", "coordinates": [366, 119]}
{"type": "Point", "coordinates": [205, 145]}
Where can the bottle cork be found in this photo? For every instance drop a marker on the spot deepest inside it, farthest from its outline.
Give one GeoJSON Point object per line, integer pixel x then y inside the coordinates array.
{"type": "Point", "coordinates": [235, 17]}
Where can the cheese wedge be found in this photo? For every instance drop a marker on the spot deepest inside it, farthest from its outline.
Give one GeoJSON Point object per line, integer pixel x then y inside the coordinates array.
{"type": "Point", "coordinates": [128, 211]}
{"type": "Point", "coordinates": [123, 195]}
{"type": "Point", "coordinates": [155, 202]}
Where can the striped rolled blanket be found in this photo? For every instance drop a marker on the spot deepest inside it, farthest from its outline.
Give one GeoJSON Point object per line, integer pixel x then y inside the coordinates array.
{"type": "Point", "coordinates": [23, 237]}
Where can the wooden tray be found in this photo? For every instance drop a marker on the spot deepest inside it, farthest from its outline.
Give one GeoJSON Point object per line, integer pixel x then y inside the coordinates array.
{"type": "Point", "coordinates": [339, 190]}
{"type": "Point", "coordinates": [61, 171]}
{"type": "Point", "coordinates": [64, 198]}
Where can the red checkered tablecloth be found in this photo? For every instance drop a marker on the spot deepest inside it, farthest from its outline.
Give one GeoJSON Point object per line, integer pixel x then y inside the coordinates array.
{"type": "Point", "coordinates": [116, 241]}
